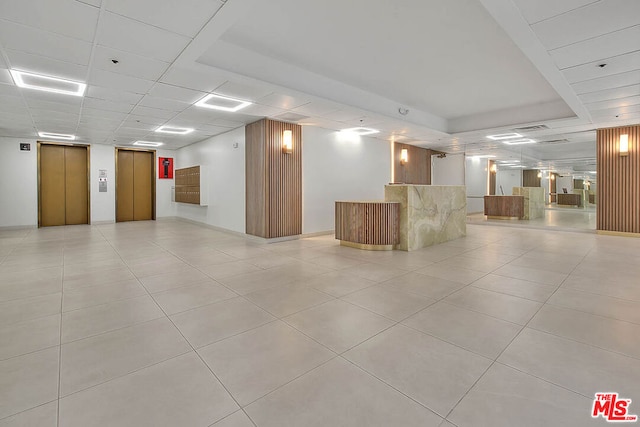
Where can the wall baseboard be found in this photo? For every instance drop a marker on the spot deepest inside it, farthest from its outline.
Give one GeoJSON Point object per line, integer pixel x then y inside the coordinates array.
{"type": "Point", "coordinates": [18, 227]}
{"type": "Point", "coordinates": [617, 233]}
{"type": "Point", "coordinates": [103, 222]}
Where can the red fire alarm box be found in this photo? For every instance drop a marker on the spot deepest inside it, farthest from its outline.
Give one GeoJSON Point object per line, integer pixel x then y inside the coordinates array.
{"type": "Point", "coordinates": [165, 167]}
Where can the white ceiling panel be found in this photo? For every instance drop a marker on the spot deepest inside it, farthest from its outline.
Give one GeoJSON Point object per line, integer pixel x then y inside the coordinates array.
{"type": "Point", "coordinates": [90, 114]}
{"type": "Point", "coordinates": [192, 79]}
{"type": "Point", "coordinates": [612, 44]}
{"type": "Point", "coordinates": [185, 17]}
{"type": "Point", "coordinates": [615, 65]}
{"type": "Point", "coordinates": [67, 17]}
{"type": "Point", "coordinates": [262, 110]}
{"type": "Point", "coordinates": [587, 22]}
{"type": "Point", "coordinates": [115, 95]}
{"type": "Point", "coordinates": [10, 90]}
{"type": "Point", "coordinates": [137, 120]}
{"type": "Point", "coordinates": [535, 11]}
{"type": "Point", "coordinates": [613, 112]}
{"type": "Point", "coordinates": [95, 3]}
{"type": "Point", "coordinates": [608, 82]}
{"type": "Point", "coordinates": [198, 114]}
{"type": "Point", "coordinates": [128, 63]}
{"type": "Point", "coordinates": [614, 103]}
{"type": "Point", "coordinates": [619, 92]}
{"type": "Point", "coordinates": [163, 104]}
{"type": "Point", "coordinates": [162, 90]}
{"type": "Point", "coordinates": [5, 77]}
{"type": "Point", "coordinates": [38, 42]}
{"type": "Point", "coordinates": [31, 94]}
{"type": "Point", "coordinates": [233, 121]}
{"type": "Point", "coordinates": [285, 102]}
{"type": "Point", "coordinates": [317, 108]}
{"type": "Point", "coordinates": [153, 112]}
{"type": "Point", "coordinates": [55, 106]}
{"type": "Point", "coordinates": [47, 66]}
{"type": "Point", "coordinates": [345, 115]}
{"type": "Point", "coordinates": [99, 124]}
{"type": "Point", "coordinates": [243, 91]}
{"type": "Point", "coordinates": [103, 104]}
{"type": "Point", "coordinates": [111, 80]}
{"type": "Point", "coordinates": [125, 34]}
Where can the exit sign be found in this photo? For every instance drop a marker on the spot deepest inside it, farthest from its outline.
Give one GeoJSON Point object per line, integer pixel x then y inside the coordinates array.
{"type": "Point", "coordinates": [25, 146]}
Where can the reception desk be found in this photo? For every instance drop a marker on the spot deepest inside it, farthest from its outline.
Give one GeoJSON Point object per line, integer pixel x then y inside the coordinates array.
{"type": "Point", "coordinates": [371, 225]}
{"type": "Point", "coordinates": [533, 201]}
{"type": "Point", "coordinates": [569, 199]}
{"type": "Point", "coordinates": [504, 207]}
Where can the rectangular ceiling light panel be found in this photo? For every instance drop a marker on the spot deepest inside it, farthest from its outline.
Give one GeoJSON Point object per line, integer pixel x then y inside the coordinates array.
{"type": "Point", "coordinates": [222, 103]}
{"type": "Point", "coordinates": [48, 84]}
{"type": "Point", "coordinates": [502, 136]}
{"type": "Point", "coordinates": [147, 143]}
{"type": "Point", "coordinates": [174, 130]}
{"type": "Point", "coordinates": [51, 135]}
{"type": "Point", "coordinates": [361, 131]}
{"type": "Point", "coordinates": [519, 141]}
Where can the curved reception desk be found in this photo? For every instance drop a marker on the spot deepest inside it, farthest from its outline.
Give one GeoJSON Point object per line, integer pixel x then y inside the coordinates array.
{"type": "Point", "coordinates": [372, 225]}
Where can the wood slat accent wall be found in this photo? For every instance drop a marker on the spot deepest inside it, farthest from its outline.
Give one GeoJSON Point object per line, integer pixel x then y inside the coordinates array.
{"type": "Point", "coordinates": [273, 180]}
{"type": "Point", "coordinates": [507, 206]}
{"type": "Point", "coordinates": [530, 178]}
{"type": "Point", "coordinates": [368, 223]}
{"type": "Point", "coordinates": [618, 181]}
{"type": "Point", "coordinates": [492, 178]}
{"type": "Point", "coordinates": [417, 170]}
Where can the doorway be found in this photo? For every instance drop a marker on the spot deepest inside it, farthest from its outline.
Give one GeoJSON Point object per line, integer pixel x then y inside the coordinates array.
{"type": "Point", "coordinates": [135, 185]}
{"type": "Point", "coordinates": [63, 184]}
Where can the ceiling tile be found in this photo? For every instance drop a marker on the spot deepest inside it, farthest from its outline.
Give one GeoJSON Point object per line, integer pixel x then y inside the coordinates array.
{"type": "Point", "coordinates": [198, 114]}
{"type": "Point", "coordinates": [38, 42]}
{"type": "Point", "coordinates": [128, 63]}
{"type": "Point", "coordinates": [67, 17]}
{"type": "Point", "coordinates": [185, 17]}
{"type": "Point", "coordinates": [125, 34]}
{"type": "Point", "coordinates": [344, 115]}
{"type": "Point", "coordinates": [55, 106]}
{"type": "Point", "coordinates": [113, 95]}
{"type": "Point", "coordinates": [153, 112]}
{"type": "Point", "coordinates": [47, 66]}
{"type": "Point", "coordinates": [95, 3]}
{"type": "Point", "coordinates": [608, 82]}
{"type": "Point", "coordinates": [614, 103]}
{"type": "Point", "coordinates": [147, 120]}
{"type": "Point", "coordinates": [192, 79]}
{"type": "Point", "coordinates": [285, 102]}
{"type": "Point", "coordinates": [111, 80]}
{"type": "Point", "coordinates": [317, 108]}
{"type": "Point", "coordinates": [9, 89]}
{"type": "Point", "coordinates": [95, 114]}
{"type": "Point", "coordinates": [612, 44]}
{"type": "Point", "coordinates": [163, 104]}
{"type": "Point", "coordinates": [591, 21]}
{"type": "Point", "coordinates": [262, 110]}
{"type": "Point", "coordinates": [31, 94]}
{"type": "Point", "coordinates": [615, 65]}
{"type": "Point", "coordinates": [243, 91]}
{"type": "Point", "coordinates": [162, 90]}
{"type": "Point", "coordinates": [603, 95]}
{"type": "Point", "coordinates": [102, 104]}
{"type": "Point", "coordinates": [613, 112]}
{"type": "Point", "coordinates": [99, 124]}
{"type": "Point", "coordinates": [5, 77]}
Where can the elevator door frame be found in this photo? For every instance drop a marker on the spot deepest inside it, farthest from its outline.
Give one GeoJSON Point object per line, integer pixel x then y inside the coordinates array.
{"type": "Point", "coordinates": [153, 181]}
{"type": "Point", "coordinates": [62, 144]}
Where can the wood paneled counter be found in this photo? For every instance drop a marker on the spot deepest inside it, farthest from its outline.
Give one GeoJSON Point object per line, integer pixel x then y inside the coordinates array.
{"type": "Point", "coordinates": [373, 225]}
{"type": "Point", "coordinates": [504, 206]}
{"type": "Point", "coordinates": [570, 199]}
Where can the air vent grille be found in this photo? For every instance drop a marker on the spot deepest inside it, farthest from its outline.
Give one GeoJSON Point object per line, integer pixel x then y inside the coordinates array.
{"type": "Point", "coordinates": [531, 128]}
{"type": "Point", "coordinates": [291, 117]}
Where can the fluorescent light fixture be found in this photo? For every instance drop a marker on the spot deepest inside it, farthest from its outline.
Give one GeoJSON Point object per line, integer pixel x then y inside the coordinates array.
{"type": "Point", "coordinates": [48, 84]}
{"type": "Point", "coordinates": [484, 156]}
{"type": "Point", "coordinates": [519, 142]}
{"type": "Point", "coordinates": [287, 141]}
{"type": "Point", "coordinates": [404, 156]}
{"type": "Point", "coordinates": [148, 143]}
{"type": "Point", "coordinates": [624, 145]}
{"type": "Point", "coordinates": [508, 164]}
{"type": "Point", "coordinates": [222, 103]}
{"type": "Point", "coordinates": [502, 136]}
{"type": "Point", "coordinates": [361, 131]}
{"type": "Point", "coordinates": [174, 130]}
{"type": "Point", "coordinates": [51, 135]}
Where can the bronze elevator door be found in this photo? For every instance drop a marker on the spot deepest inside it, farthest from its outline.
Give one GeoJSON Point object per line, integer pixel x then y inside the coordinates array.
{"type": "Point", "coordinates": [134, 183]}
{"type": "Point", "coordinates": [63, 185]}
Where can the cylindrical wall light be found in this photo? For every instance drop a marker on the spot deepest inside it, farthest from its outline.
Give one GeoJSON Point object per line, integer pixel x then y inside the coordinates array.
{"type": "Point", "coordinates": [494, 168]}
{"type": "Point", "coordinates": [287, 141]}
{"type": "Point", "coordinates": [539, 174]}
{"type": "Point", "coordinates": [404, 156]}
{"type": "Point", "coordinates": [624, 145]}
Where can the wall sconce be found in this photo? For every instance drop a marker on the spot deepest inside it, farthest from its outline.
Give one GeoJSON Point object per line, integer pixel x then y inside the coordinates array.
{"type": "Point", "coordinates": [287, 141]}
{"type": "Point", "coordinates": [552, 177]}
{"type": "Point", "coordinates": [624, 145]}
{"type": "Point", "coordinates": [494, 168]}
{"type": "Point", "coordinates": [404, 156]}
{"type": "Point", "coordinates": [539, 174]}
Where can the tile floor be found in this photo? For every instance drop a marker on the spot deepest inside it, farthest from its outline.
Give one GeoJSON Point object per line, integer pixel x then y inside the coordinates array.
{"type": "Point", "coordinates": [171, 324]}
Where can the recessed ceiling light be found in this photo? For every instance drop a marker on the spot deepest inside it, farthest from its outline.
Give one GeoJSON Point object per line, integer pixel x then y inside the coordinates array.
{"type": "Point", "coordinates": [47, 83]}
{"type": "Point", "coordinates": [222, 103]}
{"type": "Point", "coordinates": [519, 142]}
{"type": "Point", "coordinates": [361, 131]}
{"type": "Point", "coordinates": [504, 136]}
{"type": "Point", "coordinates": [148, 143]}
{"type": "Point", "coordinates": [64, 136]}
{"type": "Point", "coordinates": [174, 130]}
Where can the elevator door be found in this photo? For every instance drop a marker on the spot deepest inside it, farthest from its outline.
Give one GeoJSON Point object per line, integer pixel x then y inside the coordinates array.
{"type": "Point", "coordinates": [134, 182]}
{"type": "Point", "coordinates": [64, 192]}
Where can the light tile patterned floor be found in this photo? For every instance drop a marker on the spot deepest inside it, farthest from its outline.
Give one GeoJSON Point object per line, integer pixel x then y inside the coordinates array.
{"type": "Point", "coordinates": [171, 324]}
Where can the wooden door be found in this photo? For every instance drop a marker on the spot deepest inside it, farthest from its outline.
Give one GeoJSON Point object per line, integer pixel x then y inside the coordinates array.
{"type": "Point", "coordinates": [64, 185]}
{"type": "Point", "coordinates": [135, 185]}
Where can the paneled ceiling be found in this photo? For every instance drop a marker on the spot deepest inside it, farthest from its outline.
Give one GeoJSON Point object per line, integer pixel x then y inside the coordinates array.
{"type": "Point", "coordinates": [435, 73]}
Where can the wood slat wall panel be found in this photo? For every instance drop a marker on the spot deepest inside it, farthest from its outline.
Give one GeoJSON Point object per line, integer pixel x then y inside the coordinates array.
{"type": "Point", "coordinates": [618, 197]}
{"type": "Point", "coordinates": [530, 178]}
{"type": "Point", "coordinates": [417, 170]}
{"type": "Point", "coordinates": [256, 181]}
{"type": "Point", "coordinates": [368, 223]}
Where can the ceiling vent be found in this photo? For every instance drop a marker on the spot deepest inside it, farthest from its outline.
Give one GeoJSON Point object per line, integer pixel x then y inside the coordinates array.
{"type": "Point", "coordinates": [290, 117]}
{"type": "Point", "coordinates": [555, 141]}
{"type": "Point", "coordinates": [531, 128]}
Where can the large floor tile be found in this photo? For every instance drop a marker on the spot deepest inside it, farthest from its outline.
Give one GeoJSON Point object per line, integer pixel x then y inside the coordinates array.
{"type": "Point", "coordinates": [26, 289]}
{"type": "Point", "coordinates": [516, 287]}
{"type": "Point", "coordinates": [178, 392]}
{"type": "Point", "coordinates": [41, 416]}
{"type": "Point", "coordinates": [338, 283]}
{"type": "Point", "coordinates": [28, 381]}
{"type": "Point", "coordinates": [237, 419]}
{"type": "Point", "coordinates": [627, 289]}
{"type": "Point", "coordinates": [375, 272]}
{"type": "Point", "coordinates": [471, 263]}
{"type": "Point", "coordinates": [473, 331]}
{"type": "Point", "coordinates": [506, 307]}
{"type": "Point", "coordinates": [88, 296]}
{"type": "Point", "coordinates": [163, 282]}
{"type": "Point", "coordinates": [338, 324]}
{"type": "Point", "coordinates": [454, 274]}
{"type": "Point", "coordinates": [229, 269]}
{"type": "Point", "coordinates": [94, 360]}
{"type": "Point", "coordinates": [505, 397]}
{"type": "Point", "coordinates": [339, 394]}
{"type": "Point", "coordinates": [98, 319]}
{"type": "Point", "coordinates": [257, 362]}
{"type": "Point", "coordinates": [258, 280]}
{"type": "Point", "coordinates": [396, 305]}
{"type": "Point", "coordinates": [214, 322]}
{"type": "Point", "coordinates": [537, 275]}
{"type": "Point", "coordinates": [28, 336]}
{"type": "Point", "coordinates": [428, 286]}
{"type": "Point", "coordinates": [29, 308]}
{"type": "Point", "coordinates": [573, 365]}
{"type": "Point", "coordinates": [192, 296]}
{"type": "Point", "coordinates": [431, 371]}
{"type": "Point", "coordinates": [606, 333]}
{"type": "Point", "coordinates": [287, 299]}
{"type": "Point", "coordinates": [615, 308]}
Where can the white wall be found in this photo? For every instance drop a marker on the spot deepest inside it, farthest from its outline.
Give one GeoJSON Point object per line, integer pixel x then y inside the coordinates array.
{"type": "Point", "coordinates": [164, 188]}
{"type": "Point", "coordinates": [336, 167]}
{"type": "Point", "coordinates": [564, 182]}
{"type": "Point", "coordinates": [447, 170]}
{"type": "Point", "coordinates": [18, 183]}
{"type": "Point", "coordinates": [508, 178]}
{"type": "Point", "coordinates": [475, 177]}
{"type": "Point", "coordinates": [226, 170]}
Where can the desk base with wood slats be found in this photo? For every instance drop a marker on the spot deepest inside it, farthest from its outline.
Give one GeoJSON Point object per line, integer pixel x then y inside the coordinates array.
{"type": "Point", "coordinates": [504, 207]}
{"type": "Point", "coordinates": [368, 225]}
